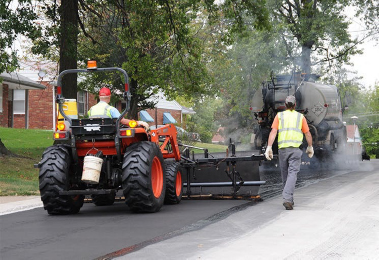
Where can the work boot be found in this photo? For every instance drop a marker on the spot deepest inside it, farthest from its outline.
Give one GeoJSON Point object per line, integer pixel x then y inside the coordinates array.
{"type": "Point", "coordinates": [288, 205]}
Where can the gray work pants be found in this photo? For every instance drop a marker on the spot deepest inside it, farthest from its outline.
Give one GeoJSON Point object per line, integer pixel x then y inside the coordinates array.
{"type": "Point", "coordinates": [289, 161]}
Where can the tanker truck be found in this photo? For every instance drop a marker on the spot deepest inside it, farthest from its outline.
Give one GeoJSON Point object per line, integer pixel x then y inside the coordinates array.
{"type": "Point", "coordinates": [319, 103]}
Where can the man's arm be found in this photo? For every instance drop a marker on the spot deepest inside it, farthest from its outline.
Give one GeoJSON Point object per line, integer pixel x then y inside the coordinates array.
{"type": "Point", "coordinates": [116, 114]}
{"type": "Point", "coordinates": [124, 121]}
{"type": "Point", "coordinates": [308, 137]}
{"type": "Point", "coordinates": [272, 136]}
{"type": "Point", "coordinates": [274, 131]}
{"type": "Point", "coordinates": [309, 150]}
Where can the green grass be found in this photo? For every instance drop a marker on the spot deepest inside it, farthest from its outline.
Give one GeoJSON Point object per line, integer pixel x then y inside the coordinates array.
{"type": "Point", "coordinates": [26, 142]}
{"type": "Point", "coordinates": [212, 148]}
{"type": "Point", "coordinates": [18, 175]}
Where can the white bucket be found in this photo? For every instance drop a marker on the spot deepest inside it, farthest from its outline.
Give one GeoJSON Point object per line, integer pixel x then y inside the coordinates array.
{"type": "Point", "coordinates": [91, 169]}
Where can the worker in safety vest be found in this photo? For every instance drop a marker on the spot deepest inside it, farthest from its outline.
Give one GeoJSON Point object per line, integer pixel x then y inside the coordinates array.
{"type": "Point", "coordinates": [291, 126]}
{"type": "Point", "coordinates": [102, 109]}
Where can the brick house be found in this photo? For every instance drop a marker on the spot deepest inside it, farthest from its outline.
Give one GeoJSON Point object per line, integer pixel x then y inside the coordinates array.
{"type": "Point", "coordinates": [166, 111]}
{"type": "Point", "coordinates": [219, 138]}
{"type": "Point", "coordinates": [354, 141]}
{"type": "Point", "coordinates": [43, 103]}
{"type": "Point", "coordinates": [29, 104]}
{"type": "Point", "coordinates": [15, 92]}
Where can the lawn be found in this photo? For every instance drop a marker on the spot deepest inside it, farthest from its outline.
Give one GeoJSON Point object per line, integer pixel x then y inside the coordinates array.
{"type": "Point", "coordinates": [18, 175]}
{"type": "Point", "coordinates": [212, 148]}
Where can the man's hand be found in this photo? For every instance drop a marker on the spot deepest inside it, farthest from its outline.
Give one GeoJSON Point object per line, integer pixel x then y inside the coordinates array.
{"type": "Point", "coordinates": [269, 155]}
{"type": "Point", "coordinates": [310, 151]}
{"type": "Point", "coordinates": [144, 124]}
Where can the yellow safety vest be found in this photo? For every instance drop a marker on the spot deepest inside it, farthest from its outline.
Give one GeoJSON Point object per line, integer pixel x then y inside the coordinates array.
{"type": "Point", "coordinates": [101, 109]}
{"type": "Point", "coordinates": [290, 124]}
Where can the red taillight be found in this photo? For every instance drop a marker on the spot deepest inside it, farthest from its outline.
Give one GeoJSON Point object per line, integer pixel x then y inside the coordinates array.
{"type": "Point", "coordinates": [60, 135]}
{"type": "Point", "coordinates": [127, 132]}
{"type": "Point", "coordinates": [59, 90]}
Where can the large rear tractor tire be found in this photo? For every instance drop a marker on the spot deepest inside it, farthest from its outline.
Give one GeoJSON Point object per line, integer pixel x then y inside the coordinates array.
{"type": "Point", "coordinates": [103, 199]}
{"type": "Point", "coordinates": [174, 183]}
{"type": "Point", "coordinates": [53, 178]}
{"type": "Point", "coordinates": [143, 178]}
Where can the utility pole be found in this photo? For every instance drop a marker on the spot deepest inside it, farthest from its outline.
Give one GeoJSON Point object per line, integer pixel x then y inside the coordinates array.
{"type": "Point", "coordinates": [354, 119]}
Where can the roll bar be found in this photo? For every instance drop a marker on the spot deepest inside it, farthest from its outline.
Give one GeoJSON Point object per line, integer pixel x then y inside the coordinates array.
{"type": "Point", "coordinates": [126, 95]}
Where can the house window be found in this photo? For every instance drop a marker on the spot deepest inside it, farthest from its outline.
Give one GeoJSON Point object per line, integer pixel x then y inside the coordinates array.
{"type": "Point", "coordinates": [1, 98]}
{"type": "Point", "coordinates": [19, 101]}
{"type": "Point", "coordinates": [81, 102]}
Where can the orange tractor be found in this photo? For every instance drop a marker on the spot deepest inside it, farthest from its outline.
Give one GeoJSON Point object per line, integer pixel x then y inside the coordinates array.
{"type": "Point", "coordinates": [99, 157]}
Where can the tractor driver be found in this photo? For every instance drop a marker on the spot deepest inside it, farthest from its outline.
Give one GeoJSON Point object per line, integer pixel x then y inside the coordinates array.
{"type": "Point", "coordinates": [102, 109]}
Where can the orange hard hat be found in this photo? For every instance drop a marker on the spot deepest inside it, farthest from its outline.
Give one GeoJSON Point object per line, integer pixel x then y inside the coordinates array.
{"type": "Point", "coordinates": [104, 92]}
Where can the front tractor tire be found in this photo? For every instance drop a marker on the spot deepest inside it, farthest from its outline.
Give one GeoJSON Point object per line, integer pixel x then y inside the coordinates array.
{"type": "Point", "coordinates": [174, 183]}
{"type": "Point", "coordinates": [53, 178]}
{"type": "Point", "coordinates": [143, 178]}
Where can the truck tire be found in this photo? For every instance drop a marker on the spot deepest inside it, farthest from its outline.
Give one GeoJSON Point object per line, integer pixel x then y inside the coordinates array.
{"type": "Point", "coordinates": [174, 183]}
{"type": "Point", "coordinates": [103, 199]}
{"type": "Point", "coordinates": [143, 178]}
{"type": "Point", "coordinates": [53, 177]}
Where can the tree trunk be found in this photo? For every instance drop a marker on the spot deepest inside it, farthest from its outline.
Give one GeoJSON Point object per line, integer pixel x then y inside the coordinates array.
{"type": "Point", "coordinates": [68, 46]}
{"type": "Point", "coordinates": [4, 151]}
{"type": "Point", "coordinates": [306, 59]}
{"type": "Point", "coordinates": [306, 39]}
{"type": "Point", "coordinates": [133, 112]}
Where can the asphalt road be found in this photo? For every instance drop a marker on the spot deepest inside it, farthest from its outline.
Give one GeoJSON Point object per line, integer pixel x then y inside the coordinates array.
{"type": "Point", "coordinates": [335, 217]}
{"type": "Point", "coordinates": [98, 231]}
{"type": "Point", "coordinates": [111, 231]}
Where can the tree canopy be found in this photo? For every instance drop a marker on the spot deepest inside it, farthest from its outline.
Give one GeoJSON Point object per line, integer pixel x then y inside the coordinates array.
{"type": "Point", "coordinates": [365, 105]}
{"type": "Point", "coordinates": [310, 36]}
{"type": "Point", "coordinates": [317, 31]}
{"type": "Point", "coordinates": [155, 41]}
{"type": "Point", "coordinates": [15, 20]}
{"type": "Point", "coordinates": [193, 48]}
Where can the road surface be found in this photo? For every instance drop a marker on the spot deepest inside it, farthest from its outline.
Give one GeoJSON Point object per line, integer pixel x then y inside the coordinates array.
{"type": "Point", "coordinates": [214, 229]}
